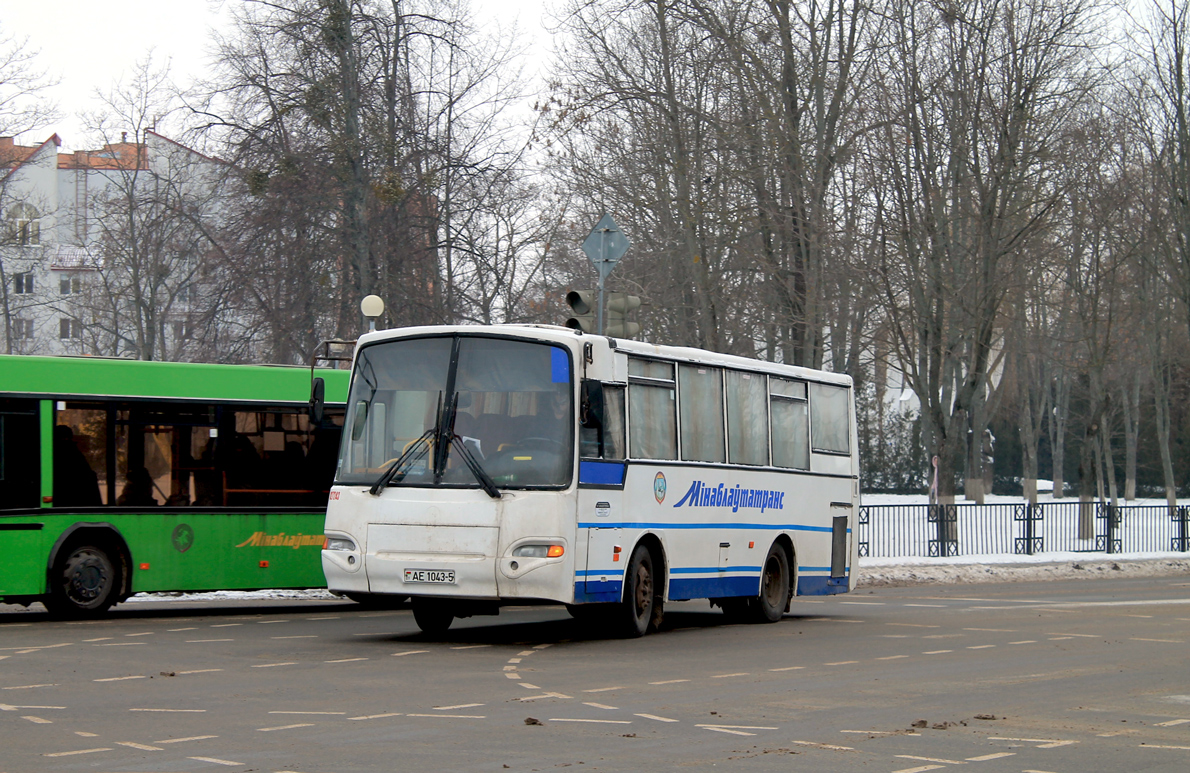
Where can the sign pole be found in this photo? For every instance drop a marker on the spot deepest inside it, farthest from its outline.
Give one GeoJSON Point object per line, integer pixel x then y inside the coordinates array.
{"type": "Point", "coordinates": [602, 275]}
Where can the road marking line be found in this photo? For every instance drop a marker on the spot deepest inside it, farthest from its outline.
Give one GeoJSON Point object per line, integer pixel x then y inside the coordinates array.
{"type": "Point", "coordinates": [841, 663]}
{"type": "Point", "coordinates": [28, 686]}
{"type": "Point", "coordinates": [121, 644]}
{"type": "Point", "coordinates": [328, 617]}
{"type": "Point", "coordinates": [787, 668]}
{"type": "Point", "coordinates": [1056, 744]}
{"type": "Point", "coordinates": [542, 646]}
{"type": "Point", "coordinates": [510, 668]}
{"type": "Point", "coordinates": [514, 660]}
{"type": "Point", "coordinates": [657, 718]}
{"type": "Point", "coordinates": [594, 721]}
{"type": "Point", "coordinates": [936, 652]}
{"type": "Point", "coordinates": [921, 769]}
{"type": "Point", "coordinates": [205, 641]}
{"type": "Point", "coordinates": [992, 630]}
{"type": "Point", "coordinates": [728, 676]}
{"type": "Point", "coordinates": [930, 759]}
{"type": "Point", "coordinates": [344, 660]}
{"type": "Point", "coordinates": [601, 706]}
{"type": "Point", "coordinates": [375, 716]}
{"type": "Point", "coordinates": [604, 689]}
{"type": "Point", "coordinates": [1048, 743]}
{"type": "Point", "coordinates": [543, 695]}
{"type": "Point", "coordinates": [864, 603]}
{"type": "Point", "coordinates": [939, 606]}
{"type": "Point", "coordinates": [38, 720]}
{"type": "Point", "coordinates": [914, 625]}
{"type": "Point", "coordinates": [1079, 635]}
{"type": "Point", "coordinates": [981, 647]}
{"type": "Point", "coordinates": [173, 711]}
{"type": "Point", "coordinates": [526, 653]}
{"type": "Point", "coordinates": [1166, 641]}
{"type": "Point", "coordinates": [274, 665]}
{"type": "Point", "coordinates": [893, 657]}
{"type": "Point", "coordinates": [141, 746]}
{"type": "Point", "coordinates": [36, 647]}
{"type": "Point", "coordinates": [460, 706]}
{"type": "Point", "coordinates": [201, 671]}
{"type": "Point", "coordinates": [987, 757]}
{"type": "Point", "coordinates": [188, 738]}
{"type": "Point", "coordinates": [1173, 722]}
{"type": "Point", "coordinates": [304, 636]}
{"type": "Point", "coordinates": [408, 652]}
{"type": "Point", "coordinates": [450, 716]}
{"type": "Point", "coordinates": [270, 622]}
{"type": "Point", "coordinates": [471, 646]}
{"type": "Point", "coordinates": [513, 675]}
{"type": "Point", "coordinates": [1152, 746]}
{"type": "Point", "coordinates": [1026, 641]}
{"type": "Point", "coordinates": [320, 713]}
{"type": "Point", "coordinates": [740, 727]}
{"type": "Point", "coordinates": [7, 707]}
{"type": "Point", "coordinates": [1037, 771]}
{"type": "Point", "coordinates": [175, 630]}
{"type": "Point", "coordinates": [284, 727]}
{"type": "Point", "coordinates": [870, 732]}
{"type": "Point", "coordinates": [1144, 616]}
{"type": "Point", "coordinates": [146, 633]}
{"type": "Point", "coordinates": [379, 633]}
{"type": "Point", "coordinates": [119, 678]}
{"type": "Point", "coordinates": [225, 625]}
{"type": "Point", "coordinates": [676, 681]}
{"type": "Point", "coordinates": [80, 751]}
{"type": "Point", "coordinates": [85, 734]}
{"type": "Point", "coordinates": [725, 730]}
{"type": "Point", "coordinates": [528, 686]}
{"type": "Point", "coordinates": [817, 745]}
{"type": "Point", "coordinates": [217, 761]}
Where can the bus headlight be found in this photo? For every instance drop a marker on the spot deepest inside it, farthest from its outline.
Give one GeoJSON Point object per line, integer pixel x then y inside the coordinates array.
{"type": "Point", "coordinates": [338, 543]}
{"type": "Point", "coordinates": [539, 551]}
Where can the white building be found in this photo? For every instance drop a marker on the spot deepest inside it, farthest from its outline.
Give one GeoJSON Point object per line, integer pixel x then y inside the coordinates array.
{"type": "Point", "coordinates": [83, 271]}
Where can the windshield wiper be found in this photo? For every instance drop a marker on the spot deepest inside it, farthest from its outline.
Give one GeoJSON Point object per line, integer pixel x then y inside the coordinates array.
{"type": "Point", "coordinates": [413, 452]}
{"type": "Point", "coordinates": [481, 475]}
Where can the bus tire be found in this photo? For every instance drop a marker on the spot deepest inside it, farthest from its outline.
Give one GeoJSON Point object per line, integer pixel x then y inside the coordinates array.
{"type": "Point", "coordinates": [641, 608]}
{"type": "Point", "coordinates": [775, 587]}
{"type": "Point", "coordinates": [84, 582]}
{"type": "Point", "coordinates": [432, 615]}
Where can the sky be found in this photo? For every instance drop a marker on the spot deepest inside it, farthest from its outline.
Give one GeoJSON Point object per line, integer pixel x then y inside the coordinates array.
{"type": "Point", "coordinates": [90, 45]}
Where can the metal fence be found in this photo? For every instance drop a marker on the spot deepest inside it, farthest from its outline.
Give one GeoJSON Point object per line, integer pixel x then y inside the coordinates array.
{"type": "Point", "coordinates": [932, 531]}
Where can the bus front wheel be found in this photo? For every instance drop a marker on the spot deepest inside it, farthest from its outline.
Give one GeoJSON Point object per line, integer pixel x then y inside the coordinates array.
{"type": "Point", "coordinates": [431, 615]}
{"type": "Point", "coordinates": [641, 608]}
{"type": "Point", "coordinates": [84, 581]}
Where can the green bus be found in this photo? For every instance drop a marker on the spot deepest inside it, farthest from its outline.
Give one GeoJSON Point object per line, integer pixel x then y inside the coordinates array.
{"type": "Point", "coordinates": [120, 477]}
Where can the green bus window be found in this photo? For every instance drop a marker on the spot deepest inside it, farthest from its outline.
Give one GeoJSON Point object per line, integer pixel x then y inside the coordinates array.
{"type": "Point", "coordinates": [20, 455]}
{"type": "Point", "coordinates": [80, 456]}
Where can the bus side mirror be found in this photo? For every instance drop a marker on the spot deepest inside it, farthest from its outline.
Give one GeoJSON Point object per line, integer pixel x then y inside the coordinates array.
{"type": "Point", "coordinates": [591, 404]}
{"type": "Point", "coordinates": [317, 400]}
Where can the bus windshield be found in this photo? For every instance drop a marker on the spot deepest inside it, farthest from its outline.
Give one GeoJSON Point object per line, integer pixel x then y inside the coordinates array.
{"type": "Point", "coordinates": [413, 417]}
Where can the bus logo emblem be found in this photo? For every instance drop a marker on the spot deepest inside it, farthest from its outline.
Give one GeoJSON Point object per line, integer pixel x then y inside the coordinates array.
{"type": "Point", "coordinates": [183, 537]}
{"type": "Point", "coordinates": [659, 487]}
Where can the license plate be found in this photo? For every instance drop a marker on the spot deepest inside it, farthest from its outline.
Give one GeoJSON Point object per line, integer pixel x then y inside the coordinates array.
{"type": "Point", "coordinates": [430, 575]}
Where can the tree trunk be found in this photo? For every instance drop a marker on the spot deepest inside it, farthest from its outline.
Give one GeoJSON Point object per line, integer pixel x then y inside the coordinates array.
{"type": "Point", "coordinates": [1057, 431]}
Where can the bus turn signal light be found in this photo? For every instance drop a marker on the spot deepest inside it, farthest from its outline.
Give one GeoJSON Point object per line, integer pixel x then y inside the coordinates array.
{"type": "Point", "coordinates": [144, 566]}
{"type": "Point", "coordinates": [555, 551]}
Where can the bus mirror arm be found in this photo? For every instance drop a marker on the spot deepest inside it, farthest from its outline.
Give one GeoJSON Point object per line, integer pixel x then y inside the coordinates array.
{"type": "Point", "coordinates": [317, 400]}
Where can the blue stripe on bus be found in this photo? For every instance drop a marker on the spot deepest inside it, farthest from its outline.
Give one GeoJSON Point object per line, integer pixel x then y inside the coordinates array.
{"type": "Point", "coordinates": [713, 587]}
{"type": "Point", "coordinates": [698, 569]}
{"type": "Point", "coordinates": [821, 586]}
{"type": "Point", "coordinates": [662, 525]}
{"type": "Point", "coordinates": [601, 473]}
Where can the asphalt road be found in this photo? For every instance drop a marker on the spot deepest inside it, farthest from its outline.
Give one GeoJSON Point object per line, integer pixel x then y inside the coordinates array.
{"type": "Point", "coordinates": [1080, 677]}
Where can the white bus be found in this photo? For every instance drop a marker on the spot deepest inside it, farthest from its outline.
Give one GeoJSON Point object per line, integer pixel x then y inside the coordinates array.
{"type": "Point", "coordinates": [510, 464]}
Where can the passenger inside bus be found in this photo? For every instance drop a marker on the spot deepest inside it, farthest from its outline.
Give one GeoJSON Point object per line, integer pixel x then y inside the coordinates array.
{"type": "Point", "coordinates": [75, 483]}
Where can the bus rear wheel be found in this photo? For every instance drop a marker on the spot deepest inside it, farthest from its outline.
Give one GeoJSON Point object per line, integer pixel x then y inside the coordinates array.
{"type": "Point", "coordinates": [775, 588]}
{"type": "Point", "coordinates": [84, 582]}
{"type": "Point", "coordinates": [641, 608]}
{"type": "Point", "coordinates": [432, 615]}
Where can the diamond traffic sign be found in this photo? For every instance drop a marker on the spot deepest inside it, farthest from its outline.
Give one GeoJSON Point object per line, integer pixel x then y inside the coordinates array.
{"type": "Point", "coordinates": [605, 245]}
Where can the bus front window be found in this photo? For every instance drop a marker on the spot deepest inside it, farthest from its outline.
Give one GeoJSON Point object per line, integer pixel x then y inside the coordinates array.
{"type": "Point", "coordinates": [508, 402]}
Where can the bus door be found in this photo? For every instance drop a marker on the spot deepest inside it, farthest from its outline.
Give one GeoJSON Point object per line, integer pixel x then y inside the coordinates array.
{"type": "Point", "coordinates": [602, 470]}
{"type": "Point", "coordinates": [605, 559]}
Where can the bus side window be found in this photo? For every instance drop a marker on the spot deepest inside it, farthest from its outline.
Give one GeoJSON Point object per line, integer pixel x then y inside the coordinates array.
{"type": "Point", "coordinates": [601, 421]}
{"type": "Point", "coordinates": [20, 454]}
